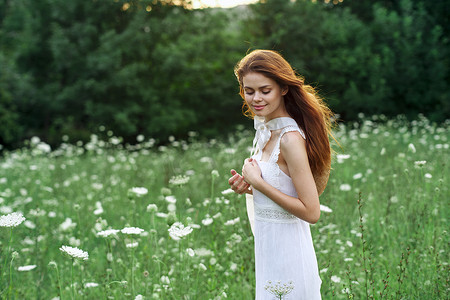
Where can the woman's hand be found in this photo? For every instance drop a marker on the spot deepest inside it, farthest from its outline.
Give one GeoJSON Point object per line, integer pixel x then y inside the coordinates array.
{"type": "Point", "coordinates": [252, 172]}
{"type": "Point", "coordinates": [238, 184]}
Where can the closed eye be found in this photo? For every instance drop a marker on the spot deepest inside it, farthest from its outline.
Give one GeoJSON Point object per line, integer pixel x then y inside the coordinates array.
{"type": "Point", "coordinates": [251, 92]}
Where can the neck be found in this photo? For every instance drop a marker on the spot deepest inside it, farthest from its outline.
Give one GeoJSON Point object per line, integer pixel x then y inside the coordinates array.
{"type": "Point", "coordinates": [283, 115]}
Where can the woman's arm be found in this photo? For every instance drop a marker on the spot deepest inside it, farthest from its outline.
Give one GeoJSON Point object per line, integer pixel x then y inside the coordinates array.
{"type": "Point", "coordinates": [307, 205]}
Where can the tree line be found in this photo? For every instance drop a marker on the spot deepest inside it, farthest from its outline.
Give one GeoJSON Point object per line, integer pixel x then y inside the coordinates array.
{"type": "Point", "coordinates": [160, 68]}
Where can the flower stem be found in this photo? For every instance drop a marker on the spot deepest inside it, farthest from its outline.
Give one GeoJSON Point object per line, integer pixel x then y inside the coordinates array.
{"type": "Point", "coordinates": [59, 282]}
{"type": "Point", "coordinates": [10, 276]}
{"type": "Point", "coordinates": [132, 272]}
{"type": "Point", "coordinates": [72, 286]}
{"type": "Point", "coordinates": [3, 271]}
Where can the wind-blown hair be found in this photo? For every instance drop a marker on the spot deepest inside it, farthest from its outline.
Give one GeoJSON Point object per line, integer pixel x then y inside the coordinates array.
{"type": "Point", "coordinates": [302, 103]}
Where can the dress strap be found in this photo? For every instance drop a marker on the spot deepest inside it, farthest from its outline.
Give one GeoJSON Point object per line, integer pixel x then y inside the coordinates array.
{"type": "Point", "coordinates": [276, 150]}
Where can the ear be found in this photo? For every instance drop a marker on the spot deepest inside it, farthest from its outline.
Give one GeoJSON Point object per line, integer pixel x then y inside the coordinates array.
{"type": "Point", "coordinates": [284, 90]}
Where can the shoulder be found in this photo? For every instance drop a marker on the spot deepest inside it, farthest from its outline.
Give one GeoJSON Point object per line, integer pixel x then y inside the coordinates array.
{"type": "Point", "coordinates": [292, 138]}
{"type": "Point", "coordinates": [292, 143]}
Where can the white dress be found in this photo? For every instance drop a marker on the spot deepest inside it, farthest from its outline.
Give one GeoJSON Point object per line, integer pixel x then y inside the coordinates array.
{"type": "Point", "coordinates": [285, 261]}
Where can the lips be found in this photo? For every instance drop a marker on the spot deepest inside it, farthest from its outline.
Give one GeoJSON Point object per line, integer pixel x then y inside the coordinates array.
{"type": "Point", "coordinates": [258, 107]}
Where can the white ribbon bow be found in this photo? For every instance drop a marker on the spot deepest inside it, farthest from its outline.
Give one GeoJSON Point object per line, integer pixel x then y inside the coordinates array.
{"type": "Point", "coordinates": [262, 135]}
{"type": "Point", "coordinates": [263, 130]}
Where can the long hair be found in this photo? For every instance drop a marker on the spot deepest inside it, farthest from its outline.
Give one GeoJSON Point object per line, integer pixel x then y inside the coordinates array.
{"type": "Point", "coordinates": [302, 104]}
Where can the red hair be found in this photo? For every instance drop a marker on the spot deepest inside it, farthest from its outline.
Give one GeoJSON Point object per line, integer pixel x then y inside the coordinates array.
{"type": "Point", "coordinates": [302, 103]}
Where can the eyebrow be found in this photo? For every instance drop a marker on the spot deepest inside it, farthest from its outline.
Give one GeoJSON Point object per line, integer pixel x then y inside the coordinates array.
{"type": "Point", "coordinates": [261, 87]}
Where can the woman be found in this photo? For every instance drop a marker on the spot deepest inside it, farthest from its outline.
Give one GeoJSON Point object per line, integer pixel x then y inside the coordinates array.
{"type": "Point", "coordinates": [286, 174]}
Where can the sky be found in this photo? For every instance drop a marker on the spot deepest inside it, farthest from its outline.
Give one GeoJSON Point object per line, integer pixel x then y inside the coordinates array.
{"type": "Point", "coordinates": [220, 3]}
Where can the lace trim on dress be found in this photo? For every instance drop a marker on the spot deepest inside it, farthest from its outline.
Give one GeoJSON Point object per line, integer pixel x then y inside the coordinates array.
{"type": "Point", "coordinates": [274, 215]}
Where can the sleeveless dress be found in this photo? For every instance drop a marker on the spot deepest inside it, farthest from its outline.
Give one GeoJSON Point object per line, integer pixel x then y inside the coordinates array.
{"type": "Point", "coordinates": [285, 261]}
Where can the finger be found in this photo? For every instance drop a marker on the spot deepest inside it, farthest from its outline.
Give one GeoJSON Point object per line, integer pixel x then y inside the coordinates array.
{"type": "Point", "coordinates": [233, 172]}
{"type": "Point", "coordinates": [236, 182]}
{"type": "Point", "coordinates": [233, 179]}
{"type": "Point", "coordinates": [242, 187]}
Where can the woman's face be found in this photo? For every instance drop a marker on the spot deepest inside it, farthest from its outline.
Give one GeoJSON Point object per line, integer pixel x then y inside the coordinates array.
{"type": "Point", "coordinates": [264, 96]}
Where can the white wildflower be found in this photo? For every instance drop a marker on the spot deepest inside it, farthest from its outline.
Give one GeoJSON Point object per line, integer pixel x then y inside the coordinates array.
{"type": "Point", "coordinates": [11, 220]}
{"type": "Point", "coordinates": [233, 267]}
{"type": "Point", "coordinates": [152, 208]}
{"type": "Point", "coordinates": [345, 187]}
{"type": "Point", "coordinates": [140, 138]}
{"type": "Point", "coordinates": [139, 191]}
{"type": "Point", "coordinates": [35, 140]}
{"type": "Point", "coordinates": [335, 279]}
{"type": "Point", "coordinates": [75, 252]}
{"type": "Point", "coordinates": [190, 252]}
{"type": "Point", "coordinates": [279, 289]}
{"type": "Point", "coordinates": [29, 224]}
{"type": "Point", "coordinates": [171, 199]}
{"type": "Point", "coordinates": [132, 230]}
{"type": "Point", "coordinates": [207, 220]}
{"type": "Point", "coordinates": [202, 266]}
{"type": "Point", "coordinates": [139, 297]}
{"type": "Point", "coordinates": [90, 284]}
{"type": "Point", "coordinates": [206, 159]}
{"type": "Point", "coordinates": [97, 186]}
{"type": "Point", "coordinates": [349, 243]}
{"type": "Point", "coordinates": [357, 176]}
{"type": "Point", "coordinates": [227, 191]}
{"type": "Point", "coordinates": [230, 150]}
{"type": "Point", "coordinates": [98, 208]}
{"type": "Point", "coordinates": [74, 241]}
{"type": "Point", "coordinates": [393, 199]}
{"type": "Point", "coordinates": [204, 252]}
{"type": "Point", "coordinates": [165, 279]}
{"type": "Point", "coordinates": [162, 215]}
{"type": "Point", "coordinates": [132, 245]}
{"type": "Point", "coordinates": [325, 208]}
{"type": "Point", "coordinates": [67, 225]}
{"type": "Point", "coordinates": [26, 268]}
{"type": "Point", "coordinates": [342, 157]}
{"type": "Point", "coordinates": [232, 221]}
{"type": "Point", "coordinates": [179, 180]}
{"type": "Point", "coordinates": [412, 148]}
{"type": "Point", "coordinates": [108, 232]}
{"type": "Point", "coordinates": [178, 231]}
{"type": "Point", "coordinates": [171, 207]}
{"type": "Point", "coordinates": [420, 163]}
{"type": "Point", "coordinates": [428, 175]}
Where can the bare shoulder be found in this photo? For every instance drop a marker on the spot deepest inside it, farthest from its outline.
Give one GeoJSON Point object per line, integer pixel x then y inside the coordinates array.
{"type": "Point", "coordinates": [292, 139]}
{"type": "Point", "coordinates": [292, 143]}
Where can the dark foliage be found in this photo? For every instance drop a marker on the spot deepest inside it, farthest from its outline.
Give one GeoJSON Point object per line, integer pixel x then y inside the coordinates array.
{"type": "Point", "coordinates": [158, 69]}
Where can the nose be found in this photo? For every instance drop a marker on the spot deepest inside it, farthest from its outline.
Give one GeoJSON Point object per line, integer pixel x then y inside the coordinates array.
{"type": "Point", "coordinates": [257, 97]}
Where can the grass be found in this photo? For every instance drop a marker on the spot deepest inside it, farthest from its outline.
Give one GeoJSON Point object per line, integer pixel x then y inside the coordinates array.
{"type": "Point", "coordinates": [386, 237]}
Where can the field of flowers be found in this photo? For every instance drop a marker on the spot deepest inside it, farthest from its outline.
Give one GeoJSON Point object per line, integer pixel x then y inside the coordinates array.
{"type": "Point", "coordinates": [103, 220]}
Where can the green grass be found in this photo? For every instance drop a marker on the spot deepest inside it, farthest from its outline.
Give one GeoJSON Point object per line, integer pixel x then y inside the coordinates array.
{"type": "Point", "coordinates": [386, 237]}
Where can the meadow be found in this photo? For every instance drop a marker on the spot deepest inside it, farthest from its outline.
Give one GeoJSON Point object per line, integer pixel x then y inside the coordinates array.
{"type": "Point", "coordinates": [159, 222]}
